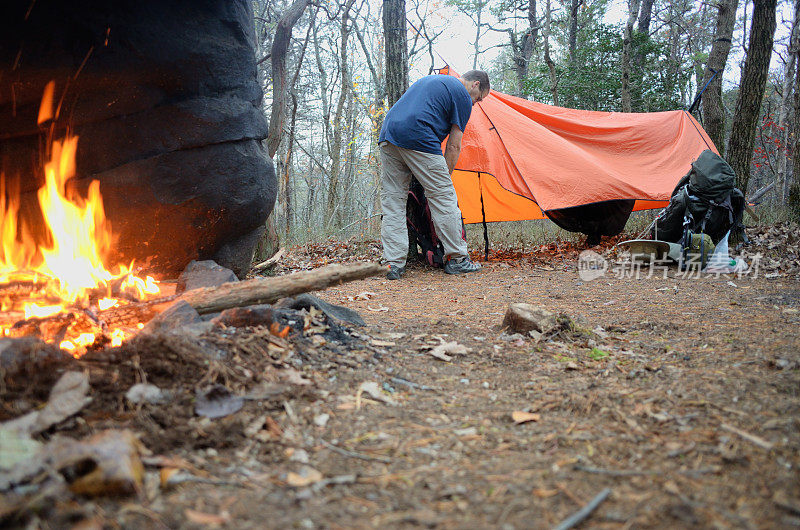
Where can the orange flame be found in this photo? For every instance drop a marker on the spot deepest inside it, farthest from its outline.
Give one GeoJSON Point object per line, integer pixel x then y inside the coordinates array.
{"type": "Point", "coordinates": [79, 242]}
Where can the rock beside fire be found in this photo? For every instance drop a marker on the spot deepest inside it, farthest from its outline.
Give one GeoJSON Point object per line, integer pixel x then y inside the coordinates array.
{"type": "Point", "coordinates": [178, 315]}
{"type": "Point", "coordinates": [206, 273]}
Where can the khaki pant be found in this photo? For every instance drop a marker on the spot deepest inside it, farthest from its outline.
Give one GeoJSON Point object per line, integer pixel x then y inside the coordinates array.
{"type": "Point", "coordinates": [431, 171]}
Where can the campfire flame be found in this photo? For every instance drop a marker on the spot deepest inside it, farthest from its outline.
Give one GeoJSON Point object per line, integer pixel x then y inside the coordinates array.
{"type": "Point", "coordinates": [70, 266]}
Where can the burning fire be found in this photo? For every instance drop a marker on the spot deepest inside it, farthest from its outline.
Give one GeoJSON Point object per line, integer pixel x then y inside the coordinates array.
{"type": "Point", "coordinates": [68, 272]}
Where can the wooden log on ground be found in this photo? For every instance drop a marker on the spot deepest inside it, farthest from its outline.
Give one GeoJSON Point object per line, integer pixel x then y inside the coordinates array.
{"type": "Point", "coordinates": [272, 289]}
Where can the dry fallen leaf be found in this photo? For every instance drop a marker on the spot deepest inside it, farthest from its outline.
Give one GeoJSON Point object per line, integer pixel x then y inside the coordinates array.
{"type": "Point", "coordinates": [384, 343]}
{"type": "Point", "coordinates": [523, 417]}
{"type": "Point", "coordinates": [306, 477]}
{"type": "Point", "coordinates": [366, 295]}
{"type": "Point", "coordinates": [292, 376]}
{"type": "Point", "coordinates": [543, 493]}
{"type": "Point", "coordinates": [442, 350]}
{"type": "Point", "coordinates": [374, 391]}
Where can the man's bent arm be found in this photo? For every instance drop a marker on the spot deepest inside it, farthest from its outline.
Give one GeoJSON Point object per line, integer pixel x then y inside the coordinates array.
{"type": "Point", "coordinates": [453, 148]}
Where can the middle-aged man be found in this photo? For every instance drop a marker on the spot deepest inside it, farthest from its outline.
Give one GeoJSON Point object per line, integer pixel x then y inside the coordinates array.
{"type": "Point", "coordinates": [432, 109]}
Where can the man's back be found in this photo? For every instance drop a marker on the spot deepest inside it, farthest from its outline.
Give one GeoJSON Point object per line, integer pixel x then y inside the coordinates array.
{"type": "Point", "coordinates": [422, 118]}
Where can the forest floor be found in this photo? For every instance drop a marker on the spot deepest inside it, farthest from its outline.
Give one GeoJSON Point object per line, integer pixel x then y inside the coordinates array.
{"type": "Point", "coordinates": [680, 395]}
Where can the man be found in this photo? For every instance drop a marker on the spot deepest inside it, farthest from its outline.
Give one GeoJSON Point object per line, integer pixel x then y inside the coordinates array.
{"type": "Point", "coordinates": [432, 109]}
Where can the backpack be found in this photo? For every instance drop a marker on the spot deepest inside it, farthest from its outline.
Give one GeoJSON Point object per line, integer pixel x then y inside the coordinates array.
{"type": "Point", "coordinates": [423, 241]}
{"type": "Point", "coordinates": [704, 201]}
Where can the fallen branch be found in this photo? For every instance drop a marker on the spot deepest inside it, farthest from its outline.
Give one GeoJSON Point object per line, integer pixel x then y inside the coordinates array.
{"type": "Point", "coordinates": [584, 512]}
{"type": "Point", "coordinates": [270, 290]}
{"type": "Point", "coordinates": [271, 262]}
{"type": "Point", "coordinates": [760, 193]}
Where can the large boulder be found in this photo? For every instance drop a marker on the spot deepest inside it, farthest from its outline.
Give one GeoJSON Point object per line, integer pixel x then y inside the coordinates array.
{"type": "Point", "coordinates": [166, 102]}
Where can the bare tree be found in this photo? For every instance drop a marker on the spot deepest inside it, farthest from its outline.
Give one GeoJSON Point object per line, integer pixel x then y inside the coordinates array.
{"type": "Point", "coordinates": [572, 41]}
{"type": "Point", "coordinates": [633, 14]}
{"type": "Point", "coordinates": [280, 45]}
{"type": "Point", "coordinates": [287, 186]}
{"type": "Point", "coordinates": [794, 190]}
{"type": "Point", "coordinates": [474, 9]}
{"type": "Point", "coordinates": [425, 36]}
{"type": "Point", "coordinates": [713, 110]}
{"type": "Point", "coordinates": [751, 90]}
{"type": "Point", "coordinates": [333, 212]}
{"type": "Point", "coordinates": [551, 65]}
{"type": "Point", "coordinates": [785, 105]}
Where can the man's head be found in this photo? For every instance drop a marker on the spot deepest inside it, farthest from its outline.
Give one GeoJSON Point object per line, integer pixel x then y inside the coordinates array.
{"type": "Point", "coordinates": [477, 84]}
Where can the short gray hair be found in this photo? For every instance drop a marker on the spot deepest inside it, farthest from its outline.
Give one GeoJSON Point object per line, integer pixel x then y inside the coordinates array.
{"type": "Point", "coordinates": [478, 75]}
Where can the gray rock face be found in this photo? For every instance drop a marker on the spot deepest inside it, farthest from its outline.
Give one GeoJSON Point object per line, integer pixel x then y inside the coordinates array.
{"type": "Point", "coordinates": [178, 315]}
{"type": "Point", "coordinates": [205, 273]}
{"type": "Point", "coordinates": [166, 103]}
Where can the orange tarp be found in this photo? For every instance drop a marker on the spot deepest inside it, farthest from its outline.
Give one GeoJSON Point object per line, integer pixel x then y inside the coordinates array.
{"type": "Point", "coordinates": [524, 157]}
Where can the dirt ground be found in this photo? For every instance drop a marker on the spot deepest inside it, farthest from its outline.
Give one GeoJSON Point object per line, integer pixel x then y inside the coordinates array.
{"type": "Point", "coordinates": [680, 395]}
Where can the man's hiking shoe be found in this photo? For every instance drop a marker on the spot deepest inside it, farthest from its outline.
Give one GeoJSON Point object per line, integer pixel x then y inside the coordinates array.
{"type": "Point", "coordinates": [395, 272]}
{"type": "Point", "coordinates": [461, 266]}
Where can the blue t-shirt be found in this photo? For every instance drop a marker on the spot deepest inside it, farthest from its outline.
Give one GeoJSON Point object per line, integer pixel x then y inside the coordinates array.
{"type": "Point", "coordinates": [422, 118]}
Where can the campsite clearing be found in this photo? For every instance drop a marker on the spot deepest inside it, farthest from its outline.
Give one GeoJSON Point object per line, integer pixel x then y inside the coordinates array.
{"type": "Point", "coordinates": [680, 395]}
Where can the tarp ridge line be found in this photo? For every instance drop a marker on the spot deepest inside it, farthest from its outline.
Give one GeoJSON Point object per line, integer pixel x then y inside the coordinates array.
{"type": "Point", "coordinates": [691, 120]}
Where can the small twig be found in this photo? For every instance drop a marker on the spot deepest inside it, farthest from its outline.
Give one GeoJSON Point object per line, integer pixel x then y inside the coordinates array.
{"type": "Point", "coordinates": [410, 384]}
{"type": "Point", "coordinates": [270, 262]}
{"type": "Point", "coordinates": [584, 512]}
{"type": "Point", "coordinates": [613, 472]}
{"type": "Point", "coordinates": [762, 443]}
{"type": "Point", "coordinates": [353, 454]}
{"type": "Point", "coordinates": [333, 481]}
{"type": "Point", "coordinates": [360, 221]}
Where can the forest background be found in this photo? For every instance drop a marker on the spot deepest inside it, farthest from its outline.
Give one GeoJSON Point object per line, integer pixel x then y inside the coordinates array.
{"type": "Point", "coordinates": [331, 70]}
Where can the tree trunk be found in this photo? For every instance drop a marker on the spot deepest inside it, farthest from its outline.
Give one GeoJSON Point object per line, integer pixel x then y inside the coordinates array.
{"type": "Point", "coordinates": [280, 45]}
{"type": "Point", "coordinates": [794, 190]}
{"type": "Point", "coordinates": [288, 187]}
{"type": "Point", "coordinates": [531, 36]}
{"type": "Point", "coordinates": [523, 50]}
{"type": "Point", "coordinates": [751, 91]}
{"type": "Point", "coordinates": [786, 103]}
{"type": "Point", "coordinates": [573, 31]}
{"type": "Point", "coordinates": [713, 110]}
{"type": "Point", "coordinates": [645, 15]}
{"type": "Point", "coordinates": [336, 147]}
{"type": "Point", "coordinates": [551, 66]}
{"type": "Point", "coordinates": [633, 13]}
{"type": "Point", "coordinates": [394, 28]}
